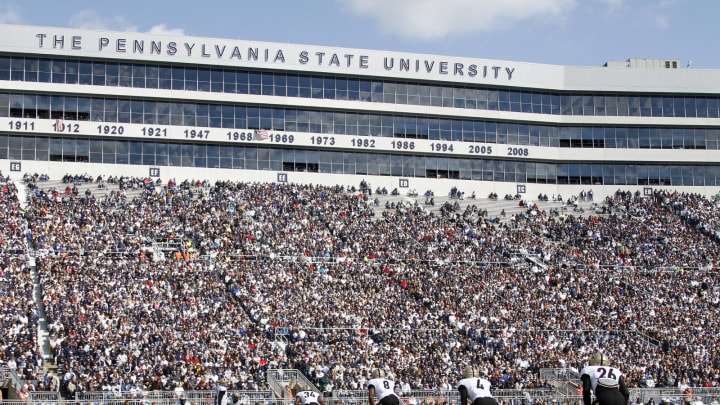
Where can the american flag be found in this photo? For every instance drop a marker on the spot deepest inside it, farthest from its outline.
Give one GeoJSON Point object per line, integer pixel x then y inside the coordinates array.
{"type": "Point", "coordinates": [261, 134]}
{"type": "Point", "coordinates": [59, 125]}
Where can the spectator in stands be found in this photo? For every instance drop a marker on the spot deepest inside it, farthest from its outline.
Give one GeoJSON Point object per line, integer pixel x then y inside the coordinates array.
{"type": "Point", "coordinates": [249, 253]}
{"type": "Point", "coordinates": [23, 393]}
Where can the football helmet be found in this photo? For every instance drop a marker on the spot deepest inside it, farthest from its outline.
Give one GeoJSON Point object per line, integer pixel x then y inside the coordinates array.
{"type": "Point", "coordinates": [599, 359]}
{"type": "Point", "coordinates": [470, 372]}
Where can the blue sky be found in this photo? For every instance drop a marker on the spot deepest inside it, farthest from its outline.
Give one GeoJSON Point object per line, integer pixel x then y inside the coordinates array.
{"type": "Point", "coordinates": [559, 32]}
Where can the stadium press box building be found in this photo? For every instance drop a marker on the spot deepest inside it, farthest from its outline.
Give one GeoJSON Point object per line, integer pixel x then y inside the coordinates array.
{"type": "Point", "coordinates": [98, 102]}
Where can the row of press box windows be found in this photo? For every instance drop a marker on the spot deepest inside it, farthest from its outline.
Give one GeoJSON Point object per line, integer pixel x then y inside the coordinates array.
{"type": "Point", "coordinates": [148, 112]}
{"type": "Point", "coordinates": [189, 78]}
{"type": "Point", "coordinates": [112, 151]}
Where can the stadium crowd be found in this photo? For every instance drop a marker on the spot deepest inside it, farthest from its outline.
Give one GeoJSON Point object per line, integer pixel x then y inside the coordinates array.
{"type": "Point", "coordinates": [19, 331]}
{"type": "Point", "coordinates": [187, 283]}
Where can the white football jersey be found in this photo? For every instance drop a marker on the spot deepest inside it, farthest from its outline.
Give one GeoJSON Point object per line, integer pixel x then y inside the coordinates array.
{"type": "Point", "coordinates": [604, 376]}
{"type": "Point", "coordinates": [476, 388]}
{"type": "Point", "coordinates": [383, 387]}
{"type": "Point", "coordinates": [308, 397]}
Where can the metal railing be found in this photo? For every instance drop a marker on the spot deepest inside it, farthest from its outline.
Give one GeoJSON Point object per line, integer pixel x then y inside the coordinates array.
{"type": "Point", "coordinates": [355, 397]}
{"type": "Point", "coordinates": [44, 396]}
{"type": "Point", "coordinates": [674, 394]}
{"type": "Point", "coordinates": [10, 374]}
{"type": "Point", "coordinates": [528, 396]}
{"type": "Point", "coordinates": [168, 397]}
{"type": "Point", "coordinates": [452, 397]}
{"type": "Point", "coordinates": [565, 380]}
{"type": "Point", "coordinates": [280, 379]}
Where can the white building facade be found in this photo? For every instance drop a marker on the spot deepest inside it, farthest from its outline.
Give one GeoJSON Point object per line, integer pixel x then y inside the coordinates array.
{"type": "Point", "coordinates": [120, 103]}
